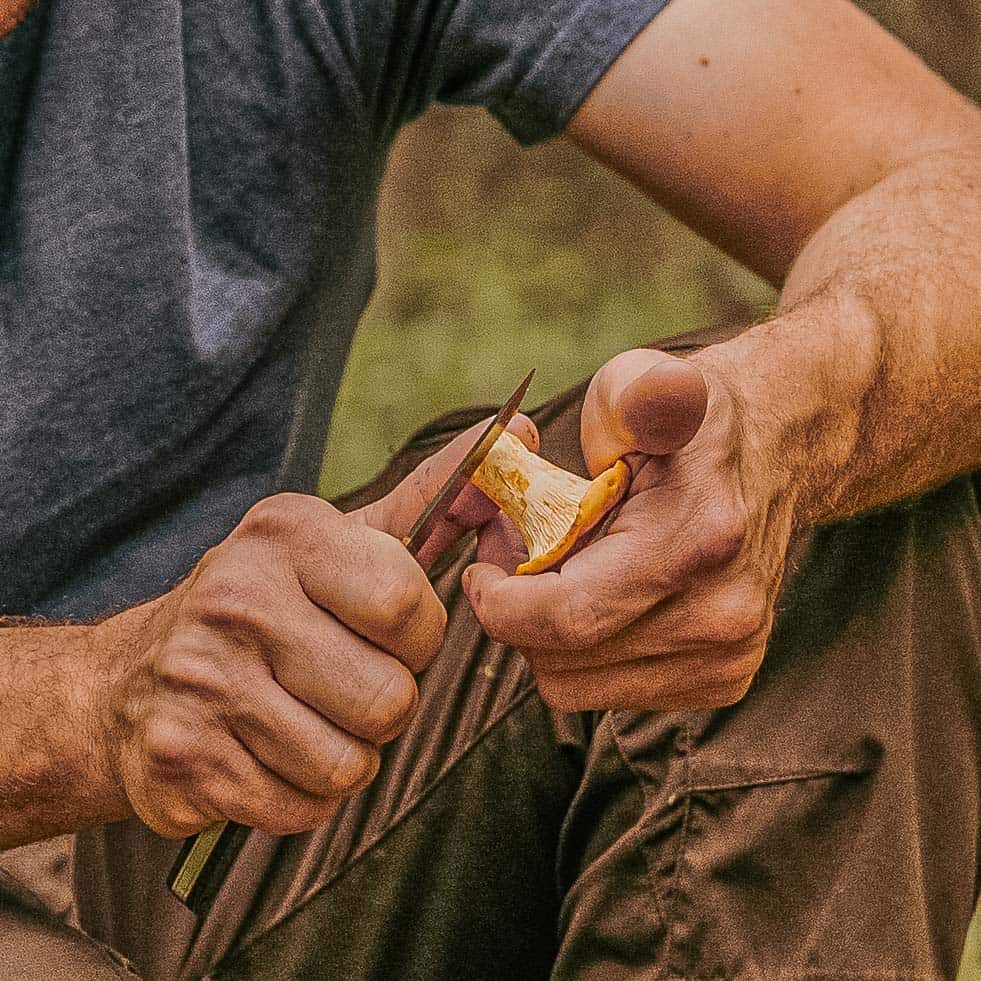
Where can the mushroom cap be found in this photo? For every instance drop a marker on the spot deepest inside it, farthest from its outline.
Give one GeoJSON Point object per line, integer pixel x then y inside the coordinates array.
{"type": "Point", "coordinates": [603, 494]}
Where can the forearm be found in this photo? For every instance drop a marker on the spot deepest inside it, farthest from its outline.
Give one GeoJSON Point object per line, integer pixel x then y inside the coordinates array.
{"type": "Point", "coordinates": [866, 386]}
{"type": "Point", "coordinates": [53, 776]}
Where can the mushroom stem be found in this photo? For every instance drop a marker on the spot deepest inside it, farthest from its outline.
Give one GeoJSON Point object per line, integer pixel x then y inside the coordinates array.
{"type": "Point", "coordinates": [552, 508]}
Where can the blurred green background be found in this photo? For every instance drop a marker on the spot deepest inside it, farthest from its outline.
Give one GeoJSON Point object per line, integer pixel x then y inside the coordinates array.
{"type": "Point", "coordinates": [494, 259]}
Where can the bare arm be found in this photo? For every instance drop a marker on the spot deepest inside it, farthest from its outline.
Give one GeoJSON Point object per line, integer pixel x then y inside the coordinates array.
{"type": "Point", "coordinates": [887, 295]}
{"type": "Point", "coordinates": [259, 689]}
{"type": "Point", "coordinates": [168, 710]}
{"type": "Point", "coordinates": [813, 146]}
{"type": "Point", "coordinates": [802, 138]}
{"type": "Point", "coordinates": [54, 775]}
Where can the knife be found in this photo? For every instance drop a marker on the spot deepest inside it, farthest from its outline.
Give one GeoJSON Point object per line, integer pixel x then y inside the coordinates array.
{"type": "Point", "coordinates": [205, 858]}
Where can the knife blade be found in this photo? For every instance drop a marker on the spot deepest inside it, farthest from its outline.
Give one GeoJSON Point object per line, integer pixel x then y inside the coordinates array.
{"type": "Point", "coordinates": [446, 496]}
{"type": "Point", "coordinates": [205, 858]}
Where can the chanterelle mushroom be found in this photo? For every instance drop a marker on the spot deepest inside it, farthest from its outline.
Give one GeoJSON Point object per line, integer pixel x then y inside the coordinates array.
{"type": "Point", "coordinates": [551, 507]}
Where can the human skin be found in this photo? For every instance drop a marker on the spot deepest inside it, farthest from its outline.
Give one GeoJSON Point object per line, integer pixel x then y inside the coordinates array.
{"type": "Point", "coordinates": [815, 148]}
{"type": "Point", "coordinates": [259, 689]}
{"type": "Point", "coordinates": [812, 146]}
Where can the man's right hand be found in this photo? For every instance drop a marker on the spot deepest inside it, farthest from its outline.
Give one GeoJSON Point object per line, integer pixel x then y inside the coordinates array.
{"type": "Point", "coordinates": [261, 688]}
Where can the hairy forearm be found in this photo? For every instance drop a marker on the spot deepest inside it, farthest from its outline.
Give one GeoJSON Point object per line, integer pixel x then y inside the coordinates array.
{"type": "Point", "coordinates": [53, 777]}
{"type": "Point", "coordinates": [866, 386]}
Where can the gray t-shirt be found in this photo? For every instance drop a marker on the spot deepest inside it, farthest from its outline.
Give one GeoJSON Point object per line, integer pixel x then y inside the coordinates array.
{"type": "Point", "coordinates": [187, 196]}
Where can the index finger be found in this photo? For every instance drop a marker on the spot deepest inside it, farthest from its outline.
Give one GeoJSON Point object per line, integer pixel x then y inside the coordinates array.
{"type": "Point", "coordinates": [397, 511]}
{"type": "Point", "coordinates": [595, 595]}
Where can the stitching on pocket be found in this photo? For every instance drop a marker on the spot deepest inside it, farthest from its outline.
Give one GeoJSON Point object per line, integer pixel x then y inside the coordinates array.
{"type": "Point", "coordinates": [857, 759]}
{"type": "Point", "coordinates": [762, 779]}
{"type": "Point", "coordinates": [673, 890]}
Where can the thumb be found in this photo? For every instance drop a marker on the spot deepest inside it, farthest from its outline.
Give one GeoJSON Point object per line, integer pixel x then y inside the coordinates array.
{"type": "Point", "coordinates": [398, 510]}
{"type": "Point", "coordinates": [641, 401]}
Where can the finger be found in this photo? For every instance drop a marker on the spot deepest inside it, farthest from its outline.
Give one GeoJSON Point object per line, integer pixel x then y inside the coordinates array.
{"type": "Point", "coordinates": [500, 543]}
{"type": "Point", "coordinates": [335, 674]}
{"type": "Point", "coordinates": [301, 747]}
{"type": "Point", "coordinates": [721, 616]}
{"type": "Point", "coordinates": [368, 581]}
{"type": "Point", "coordinates": [641, 400]}
{"type": "Point", "coordinates": [677, 682]}
{"type": "Point", "coordinates": [397, 511]}
{"type": "Point", "coordinates": [595, 595]}
{"type": "Point", "coordinates": [241, 788]}
{"type": "Point", "coordinates": [192, 775]}
{"type": "Point", "coordinates": [661, 541]}
{"type": "Point", "coordinates": [242, 696]}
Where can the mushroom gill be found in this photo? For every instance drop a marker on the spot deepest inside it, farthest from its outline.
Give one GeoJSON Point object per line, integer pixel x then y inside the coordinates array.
{"type": "Point", "coordinates": [552, 508]}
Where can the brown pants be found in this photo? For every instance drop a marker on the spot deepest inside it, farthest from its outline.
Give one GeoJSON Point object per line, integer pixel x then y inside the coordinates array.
{"type": "Point", "coordinates": [825, 827]}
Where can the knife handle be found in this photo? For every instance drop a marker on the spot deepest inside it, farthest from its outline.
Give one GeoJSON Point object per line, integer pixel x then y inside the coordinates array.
{"type": "Point", "coordinates": [204, 860]}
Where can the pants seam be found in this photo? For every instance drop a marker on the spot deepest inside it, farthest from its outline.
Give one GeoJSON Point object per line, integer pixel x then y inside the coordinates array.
{"type": "Point", "coordinates": [672, 894]}
{"type": "Point", "coordinates": [398, 820]}
{"type": "Point", "coordinates": [657, 900]}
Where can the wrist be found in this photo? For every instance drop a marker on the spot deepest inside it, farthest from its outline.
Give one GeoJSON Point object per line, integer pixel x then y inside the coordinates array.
{"type": "Point", "coordinates": [92, 708]}
{"type": "Point", "coordinates": [53, 773]}
{"type": "Point", "coordinates": [733, 422]}
{"type": "Point", "coordinates": [797, 384]}
{"type": "Point", "coordinates": [117, 648]}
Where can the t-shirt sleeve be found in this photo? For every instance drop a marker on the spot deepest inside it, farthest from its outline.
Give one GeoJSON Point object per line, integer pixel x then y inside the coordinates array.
{"type": "Point", "coordinates": [530, 62]}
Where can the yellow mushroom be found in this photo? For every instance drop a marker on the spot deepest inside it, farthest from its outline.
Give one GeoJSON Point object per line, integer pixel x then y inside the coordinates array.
{"type": "Point", "coordinates": [552, 508]}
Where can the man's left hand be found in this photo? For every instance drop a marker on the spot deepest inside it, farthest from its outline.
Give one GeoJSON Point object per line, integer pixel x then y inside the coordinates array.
{"type": "Point", "coordinates": [671, 609]}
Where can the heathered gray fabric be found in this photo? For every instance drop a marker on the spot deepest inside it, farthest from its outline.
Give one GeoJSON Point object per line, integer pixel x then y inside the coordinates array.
{"type": "Point", "coordinates": [187, 193]}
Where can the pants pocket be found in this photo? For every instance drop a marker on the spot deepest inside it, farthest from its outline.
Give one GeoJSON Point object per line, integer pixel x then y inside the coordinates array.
{"type": "Point", "coordinates": [724, 868]}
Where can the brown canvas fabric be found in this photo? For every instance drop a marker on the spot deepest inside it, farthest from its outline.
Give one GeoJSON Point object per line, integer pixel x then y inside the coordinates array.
{"type": "Point", "coordinates": [825, 827]}
{"type": "Point", "coordinates": [36, 944]}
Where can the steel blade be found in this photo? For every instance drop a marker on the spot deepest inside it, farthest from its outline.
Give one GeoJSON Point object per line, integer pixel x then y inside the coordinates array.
{"type": "Point", "coordinates": [458, 480]}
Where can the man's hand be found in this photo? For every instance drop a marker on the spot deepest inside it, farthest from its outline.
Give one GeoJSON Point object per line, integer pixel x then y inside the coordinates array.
{"type": "Point", "coordinates": [262, 687]}
{"type": "Point", "coordinates": [671, 609]}
{"type": "Point", "coordinates": [815, 148]}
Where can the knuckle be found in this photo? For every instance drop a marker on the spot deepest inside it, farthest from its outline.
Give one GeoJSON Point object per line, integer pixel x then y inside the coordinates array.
{"type": "Point", "coordinates": [353, 769]}
{"type": "Point", "coordinates": [737, 617]}
{"type": "Point", "coordinates": [730, 674]}
{"type": "Point", "coordinates": [392, 706]}
{"type": "Point", "coordinates": [738, 672]}
{"type": "Point", "coordinates": [230, 600]}
{"type": "Point", "coordinates": [169, 748]}
{"type": "Point", "coordinates": [175, 821]}
{"type": "Point", "coordinates": [274, 517]}
{"type": "Point", "coordinates": [181, 668]}
{"type": "Point", "coordinates": [399, 604]}
{"type": "Point", "coordinates": [723, 534]}
{"type": "Point", "coordinates": [491, 620]}
{"type": "Point", "coordinates": [579, 625]}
